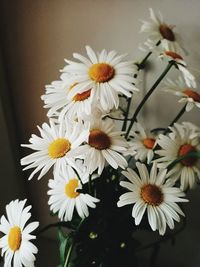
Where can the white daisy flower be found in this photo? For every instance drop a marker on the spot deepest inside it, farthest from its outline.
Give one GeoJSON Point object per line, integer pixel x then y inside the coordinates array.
{"type": "Point", "coordinates": [104, 144]}
{"type": "Point", "coordinates": [16, 247]}
{"type": "Point", "coordinates": [159, 30]}
{"type": "Point", "coordinates": [56, 99]}
{"type": "Point", "coordinates": [169, 56]}
{"type": "Point", "coordinates": [181, 141]}
{"type": "Point", "coordinates": [150, 192]}
{"type": "Point", "coordinates": [54, 147]}
{"type": "Point", "coordinates": [181, 66]}
{"type": "Point", "coordinates": [105, 74]}
{"type": "Point", "coordinates": [142, 144]}
{"type": "Point", "coordinates": [188, 95]}
{"type": "Point", "coordinates": [83, 173]}
{"type": "Point", "coordinates": [65, 196]}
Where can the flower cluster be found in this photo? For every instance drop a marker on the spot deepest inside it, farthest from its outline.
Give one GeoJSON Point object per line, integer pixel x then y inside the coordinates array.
{"type": "Point", "coordinates": [83, 139]}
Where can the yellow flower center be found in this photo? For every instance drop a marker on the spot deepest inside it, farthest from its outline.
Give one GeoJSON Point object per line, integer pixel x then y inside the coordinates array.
{"type": "Point", "coordinates": [101, 72]}
{"type": "Point", "coordinates": [70, 188]}
{"type": "Point", "coordinates": [99, 140]}
{"type": "Point", "coordinates": [58, 148]}
{"type": "Point", "coordinates": [192, 94]}
{"type": "Point", "coordinates": [167, 32]}
{"type": "Point", "coordinates": [183, 151]}
{"type": "Point", "coordinates": [149, 142]}
{"type": "Point", "coordinates": [173, 55]}
{"type": "Point", "coordinates": [152, 194]}
{"type": "Point", "coordinates": [14, 238]}
{"type": "Point", "coordinates": [82, 96]}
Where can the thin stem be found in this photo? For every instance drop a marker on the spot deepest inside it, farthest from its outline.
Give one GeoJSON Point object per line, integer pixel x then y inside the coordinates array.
{"type": "Point", "coordinates": [78, 176]}
{"type": "Point", "coordinates": [117, 119]}
{"type": "Point", "coordinates": [47, 227]}
{"type": "Point", "coordinates": [70, 250]}
{"type": "Point", "coordinates": [69, 254]}
{"type": "Point", "coordinates": [179, 159]}
{"type": "Point", "coordinates": [158, 130]}
{"type": "Point", "coordinates": [141, 65]}
{"type": "Point", "coordinates": [178, 116]}
{"type": "Point", "coordinates": [181, 112]}
{"type": "Point", "coordinates": [90, 184]}
{"type": "Point", "coordinates": [126, 114]}
{"type": "Point", "coordinates": [134, 118]}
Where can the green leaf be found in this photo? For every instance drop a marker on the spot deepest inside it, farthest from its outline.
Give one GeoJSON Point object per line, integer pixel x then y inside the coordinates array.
{"type": "Point", "coordinates": [62, 250]}
{"type": "Point", "coordinates": [61, 235]}
{"type": "Point", "coordinates": [65, 242]}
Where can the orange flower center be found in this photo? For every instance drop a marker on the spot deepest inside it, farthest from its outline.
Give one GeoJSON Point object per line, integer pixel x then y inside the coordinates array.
{"type": "Point", "coordinates": [152, 194]}
{"type": "Point", "coordinates": [167, 32]}
{"type": "Point", "coordinates": [101, 72]}
{"type": "Point", "coordinates": [173, 55]}
{"type": "Point", "coordinates": [149, 142]}
{"type": "Point", "coordinates": [14, 238]}
{"type": "Point", "coordinates": [58, 148]}
{"type": "Point", "coordinates": [192, 94]}
{"type": "Point", "coordinates": [99, 139]}
{"type": "Point", "coordinates": [82, 96]}
{"type": "Point", "coordinates": [70, 188]}
{"type": "Point", "coordinates": [183, 151]}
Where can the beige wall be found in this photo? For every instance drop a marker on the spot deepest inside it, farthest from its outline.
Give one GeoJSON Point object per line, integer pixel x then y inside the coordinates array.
{"type": "Point", "coordinates": [38, 34]}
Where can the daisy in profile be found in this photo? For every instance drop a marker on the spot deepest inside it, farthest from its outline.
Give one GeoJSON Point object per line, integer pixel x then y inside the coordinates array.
{"type": "Point", "coordinates": [187, 95]}
{"type": "Point", "coordinates": [65, 196]}
{"type": "Point", "coordinates": [172, 56]}
{"type": "Point", "coordinates": [159, 30]}
{"type": "Point", "coordinates": [54, 147]}
{"type": "Point", "coordinates": [104, 145]}
{"type": "Point", "coordinates": [83, 173]}
{"type": "Point", "coordinates": [142, 144]}
{"type": "Point", "coordinates": [16, 247]}
{"type": "Point", "coordinates": [182, 140]}
{"type": "Point", "coordinates": [57, 100]}
{"type": "Point", "coordinates": [105, 74]}
{"type": "Point", "coordinates": [150, 192]}
{"type": "Point", "coordinates": [55, 97]}
{"type": "Point", "coordinates": [180, 65]}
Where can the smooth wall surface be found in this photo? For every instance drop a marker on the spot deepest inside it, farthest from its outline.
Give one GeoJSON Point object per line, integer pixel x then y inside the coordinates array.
{"type": "Point", "coordinates": [37, 35]}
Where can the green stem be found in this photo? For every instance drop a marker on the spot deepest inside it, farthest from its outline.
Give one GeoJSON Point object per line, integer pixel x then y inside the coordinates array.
{"type": "Point", "coordinates": [134, 118]}
{"type": "Point", "coordinates": [181, 112]}
{"type": "Point", "coordinates": [78, 176]}
{"type": "Point", "coordinates": [141, 65]}
{"type": "Point", "coordinates": [70, 250]}
{"type": "Point", "coordinates": [47, 227]}
{"type": "Point", "coordinates": [69, 254]}
{"type": "Point", "coordinates": [126, 114]}
{"type": "Point", "coordinates": [117, 119]}
{"type": "Point", "coordinates": [90, 184]}
{"type": "Point", "coordinates": [178, 116]}
{"type": "Point", "coordinates": [179, 159]}
{"type": "Point", "coordinates": [158, 130]}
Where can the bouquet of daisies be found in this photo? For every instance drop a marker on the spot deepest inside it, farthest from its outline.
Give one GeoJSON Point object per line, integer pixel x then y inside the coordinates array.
{"type": "Point", "coordinates": [111, 176]}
